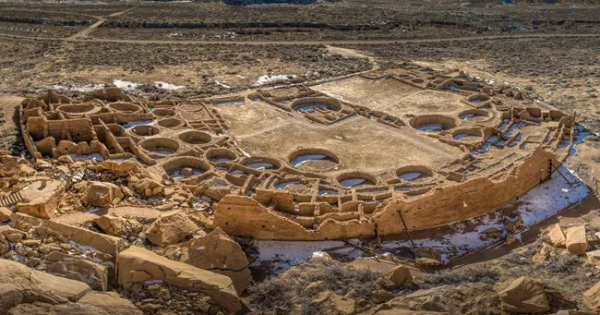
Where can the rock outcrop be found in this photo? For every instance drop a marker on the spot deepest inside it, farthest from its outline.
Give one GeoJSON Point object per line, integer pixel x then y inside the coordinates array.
{"type": "Point", "coordinates": [524, 295]}
{"type": "Point", "coordinates": [21, 284]}
{"type": "Point", "coordinates": [170, 229]}
{"type": "Point", "coordinates": [136, 265]}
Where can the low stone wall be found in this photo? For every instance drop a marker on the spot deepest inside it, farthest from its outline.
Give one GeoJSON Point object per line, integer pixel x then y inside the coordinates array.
{"type": "Point", "coordinates": [244, 216]}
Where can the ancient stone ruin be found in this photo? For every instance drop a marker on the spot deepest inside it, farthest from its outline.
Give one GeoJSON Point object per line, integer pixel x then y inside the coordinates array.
{"type": "Point", "coordinates": [347, 158]}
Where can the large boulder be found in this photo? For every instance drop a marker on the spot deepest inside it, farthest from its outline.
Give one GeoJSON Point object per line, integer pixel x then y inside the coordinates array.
{"type": "Point", "coordinates": [170, 229]}
{"type": "Point", "coordinates": [93, 303]}
{"type": "Point", "coordinates": [80, 269]}
{"type": "Point", "coordinates": [524, 295]}
{"type": "Point", "coordinates": [217, 252]}
{"type": "Point", "coordinates": [591, 297]}
{"type": "Point", "coordinates": [400, 276]}
{"type": "Point", "coordinates": [21, 284]}
{"type": "Point", "coordinates": [576, 240]}
{"type": "Point", "coordinates": [41, 198]}
{"type": "Point", "coordinates": [103, 195]}
{"type": "Point", "coordinates": [557, 237]}
{"type": "Point", "coordinates": [4, 214]}
{"type": "Point", "coordinates": [137, 264]}
{"type": "Point", "coordinates": [118, 226]}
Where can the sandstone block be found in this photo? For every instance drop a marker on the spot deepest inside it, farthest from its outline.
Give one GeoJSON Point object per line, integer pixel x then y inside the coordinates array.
{"type": "Point", "coordinates": [576, 240]}
{"type": "Point", "coordinates": [524, 295]}
{"type": "Point", "coordinates": [136, 259]}
{"type": "Point", "coordinates": [170, 229]}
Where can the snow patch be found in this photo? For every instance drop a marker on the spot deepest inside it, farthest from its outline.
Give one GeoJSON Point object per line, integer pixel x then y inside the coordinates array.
{"type": "Point", "coordinates": [266, 79]}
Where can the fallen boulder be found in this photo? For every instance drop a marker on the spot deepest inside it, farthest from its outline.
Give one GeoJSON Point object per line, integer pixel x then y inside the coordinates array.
{"type": "Point", "coordinates": [148, 187]}
{"type": "Point", "coordinates": [103, 195]}
{"type": "Point", "coordinates": [400, 276]}
{"type": "Point", "coordinates": [217, 252]}
{"type": "Point", "coordinates": [557, 237]}
{"type": "Point", "coordinates": [118, 226]}
{"type": "Point", "coordinates": [96, 303]}
{"type": "Point", "coordinates": [591, 297]}
{"type": "Point", "coordinates": [21, 284]}
{"type": "Point", "coordinates": [137, 264]}
{"type": "Point", "coordinates": [41, 198]}
{"type": "Point", "coordinates": [170, 229]}
{"type": "Point", "coordinates": [576, 240]}
{"type": "Point", "coordinates": [80, 269]}
{"type": "Point", "coordinates": [524, 295]}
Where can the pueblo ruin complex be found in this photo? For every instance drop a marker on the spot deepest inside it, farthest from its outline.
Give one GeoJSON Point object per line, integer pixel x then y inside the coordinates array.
{"type": "Point", "coordinates": [347, 158]}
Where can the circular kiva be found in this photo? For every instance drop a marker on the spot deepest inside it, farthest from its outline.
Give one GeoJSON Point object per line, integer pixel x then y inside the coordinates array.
{"type": "Point", "coordinates": [312, 103]}
{"type": "Point", "coordinates": [262, 163]}
{"type": "Point", "coordinates": [185, 166]}
{"type": "Point", "coordinates": [313, 159]}
{"type": "Point", "coordinates": [162, 146]}
{"type": "Point", "coordinates": [355, 179]}
{"type": "Point", "coordinates": [220, 155]}
{"type": "Point", "coordinates": [125, 107]}
{"type": "Point", "coordinates": [164, 112]}
{"type": "Point", "coordinates": [475, 114]}
{"type": "Point", "coordinates": [478, 98]}
{"type": "Point", "coordinates": [79, 109]}
{"type": "Point", "coordinates": [414, 173]}
{"type": "Point", "coordinates": [145, 130]}
{"type": "Point", "coordinates": [432, 123]}
{"type": "Point", "coordinates": [467, 135]}
{"type": "Point", "coordinates": [190, 108]}
{"type": "Point", "coordinates": [170, 123]}
{"type": "Point", "coordinates": [195, 137]}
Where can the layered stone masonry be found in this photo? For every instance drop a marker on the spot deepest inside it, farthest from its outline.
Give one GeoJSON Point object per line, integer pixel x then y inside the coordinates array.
{"type": "Point", "coordinates": [302, 198]}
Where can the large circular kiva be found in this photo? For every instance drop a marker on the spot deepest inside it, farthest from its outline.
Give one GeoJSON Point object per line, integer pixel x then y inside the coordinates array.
{"type": "Point", "coordinates": [432, 123]}
{"type": "Point", "coordinates": [195, 137]}
{"type": "Point", "coordinates": [170, 123]}
{"type": "Point", "coordinates": [220, 155]}
{"type": "Point", "coordinates": [164, 112]}
{"type": "Point", "coordinates": [413, 173]}
{"type": "Point", "coordinates": [145, 130]}
{"type": "Point", "coordinates": [313, 159]}
{"type": "Point", "coordinates": [474, 114]}
{"type": "Point", "coordinates": [262, 163]}
{"type": "Point", "coordinates": [312, 103]}
{"type": "Point", "coordinates": [125, 107]}
{"type": "Point", "coordinates": [354, 179]}
{"type": "Point", "coordinates": [163, 146]}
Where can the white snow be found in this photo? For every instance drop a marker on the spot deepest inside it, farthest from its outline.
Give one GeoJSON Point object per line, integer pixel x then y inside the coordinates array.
{"type": "Point", "coordinates": [288, 254]}
{"type": "Point", "coordinates": [168, 86]}
{"type": "Point", "coordinates": [133, 123]}
{"type": "Point", "coordinates": [223, 85]}
{"type": "Point", "coordinates": [266, 79]}
{"type": "Point", "coordinates": [76, 88]}
{"type": "Point", "coordinates": [538, 204]}
{"type": "Point", "coordinates": [126, 85]}
{"type": "Point", "coordinates": [87, 157]}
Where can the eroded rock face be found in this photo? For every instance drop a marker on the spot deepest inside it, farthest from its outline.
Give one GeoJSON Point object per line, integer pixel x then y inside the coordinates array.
{"type": "Point", "coordinates": [21, 284]}
{"type": "Point", "coordinates": [95, 275]}
{"type": "Point", "coordinates": [170, 229]}
{"type": "Point", "coordinates": [524, 295]}
{"type": "Point", "coordinates": [217, 252]}
{"type": "Point", "coordinates": [103, 195]}
{"type": "Point", "coordinates": [137, 264]}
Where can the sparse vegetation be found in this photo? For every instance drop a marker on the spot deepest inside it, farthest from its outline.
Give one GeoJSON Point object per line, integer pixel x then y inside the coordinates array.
{"type": "Point", "coordinates": [293, 287]}
{"type": "Point", "coordinates": [480, 273]}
